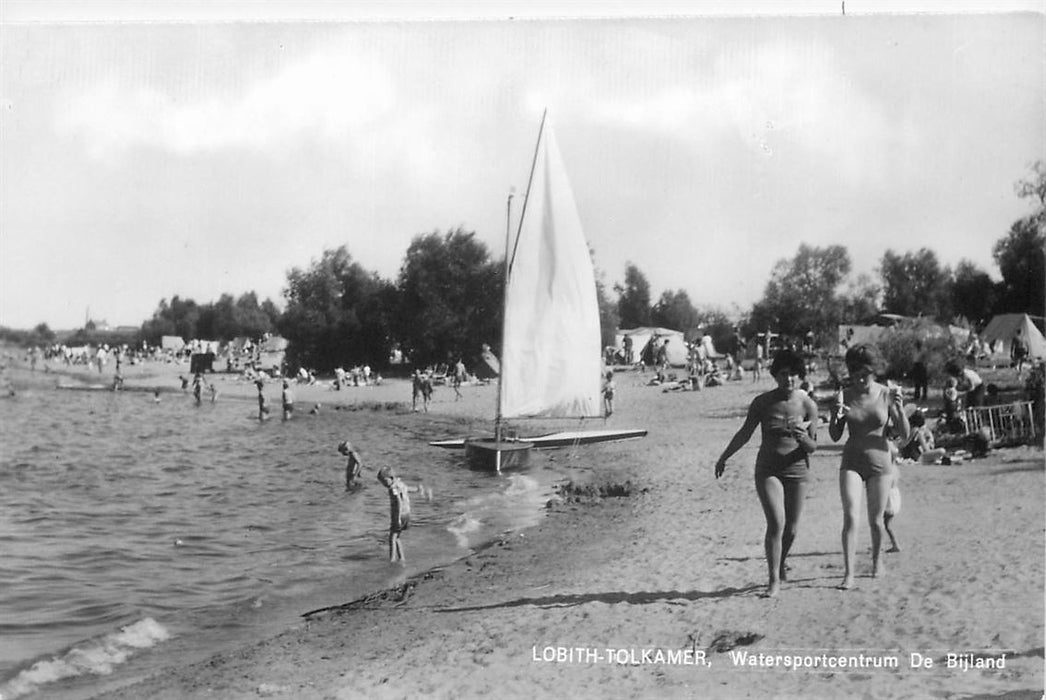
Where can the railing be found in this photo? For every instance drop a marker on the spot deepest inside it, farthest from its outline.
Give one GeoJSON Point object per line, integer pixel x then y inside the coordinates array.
{"type": "Point", "coordinates": [1006, 424]}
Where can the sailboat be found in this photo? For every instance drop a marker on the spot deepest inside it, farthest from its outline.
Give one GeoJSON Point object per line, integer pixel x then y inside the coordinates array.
{"type": "Point", "coordinates": [551, 360]}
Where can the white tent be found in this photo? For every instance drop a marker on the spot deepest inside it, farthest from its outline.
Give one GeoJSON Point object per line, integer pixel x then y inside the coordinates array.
{"type": "Point", "coordinates": [172, 342]}
{"type": "Point", "coordinates": [678, 354]}
{"type": "Point", "coordinates": [1004, 328]}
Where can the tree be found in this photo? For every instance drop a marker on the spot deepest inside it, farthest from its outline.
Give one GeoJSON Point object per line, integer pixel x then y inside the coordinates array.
{"type": "Point", "coordinates": [861, 300]}
{"type": "Point", "coordinates": [633, 305]}
{"type": "Point", "coordinates": [914, 284]}
{"type": "Point", "coordinates": [222, 320]}
{"type": "Point", "coordinates": [1021, 255]}
{"type": "Point", "coordinates": [43, 334]}
{"type": "Point", "coordinates": [449, 300]}
{"type": "Point", "coordinates": [609, 320]}
{"type": "Point", "coordinates": [179, 318]}
{"type": "Point", "coordinates": [674, 310]}
{"type": "Point", "coordinates": [335, 314]}
{"type": "Point", "coordinates": [801, 294]}
{"type": "Point", "coordinates": [974, 293]}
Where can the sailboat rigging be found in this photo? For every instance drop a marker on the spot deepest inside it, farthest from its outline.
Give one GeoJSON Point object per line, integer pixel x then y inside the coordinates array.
{"type": "Point", "coordinates": [550, 352]}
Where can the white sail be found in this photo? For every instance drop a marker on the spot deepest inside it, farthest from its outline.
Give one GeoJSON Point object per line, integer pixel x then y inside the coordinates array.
{"type": "Point", "coordinates": [551, 347]}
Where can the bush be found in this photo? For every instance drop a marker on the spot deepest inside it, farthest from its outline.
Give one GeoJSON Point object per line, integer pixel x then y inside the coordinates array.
{"type": "Point", "coordinates": [898, 347]}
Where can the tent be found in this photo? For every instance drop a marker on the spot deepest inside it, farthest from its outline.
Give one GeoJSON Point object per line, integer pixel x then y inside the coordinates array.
{"type": "Point", "coordinates": [172, 342]}
{"type": "Point", "coordinates": [1002, 329]}
{"type": "Point", "coordinates": [678, 354]}
{"type": "Point", "coordinates": [708, 350]}
{"type": "Point", "coordinates": [271, 353]}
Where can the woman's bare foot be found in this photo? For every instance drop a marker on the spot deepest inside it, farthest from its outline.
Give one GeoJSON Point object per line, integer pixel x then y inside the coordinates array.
{"type": "Point", "coordinates": [877, 569]}
{"type": "Point", "coordinates": [893, 549]}
{"type": "Point", "coordinates": [772, 589]}
{"type": "Point", "coordinates": [784, 572]}
{"type": "Point", "coordinates": [847, 583]}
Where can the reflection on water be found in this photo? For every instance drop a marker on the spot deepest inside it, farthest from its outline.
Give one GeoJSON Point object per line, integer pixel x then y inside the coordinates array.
{"type": "Point", "coordinates": [127, 524]}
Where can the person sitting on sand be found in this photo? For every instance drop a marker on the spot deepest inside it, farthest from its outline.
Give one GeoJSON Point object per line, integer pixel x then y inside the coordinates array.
{"type": "Point", "coordinates": [354, 465]}
{"type": "Point", "coordinates": [788, 420]}
{"type": "Point", "coordinates": [865, 407]}
{"type": "Point", "coordinates": [921, 445]}
{"type": "Point", "coordinates": [399, 509]}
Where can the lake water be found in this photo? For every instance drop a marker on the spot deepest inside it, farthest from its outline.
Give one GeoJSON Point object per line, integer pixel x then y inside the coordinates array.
{"type": "Point", "coordinates": [136, 535]}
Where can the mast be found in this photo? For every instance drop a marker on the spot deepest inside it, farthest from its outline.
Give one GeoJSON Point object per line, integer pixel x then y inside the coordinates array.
{"type": "Point", "coordinates": [497, 415]}
{"type": "Point", "coordinates": [508, 271]}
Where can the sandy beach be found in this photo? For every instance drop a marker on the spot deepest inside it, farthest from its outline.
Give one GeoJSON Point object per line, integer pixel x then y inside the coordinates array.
{"type": "Point", "coordinates": [658, 593]}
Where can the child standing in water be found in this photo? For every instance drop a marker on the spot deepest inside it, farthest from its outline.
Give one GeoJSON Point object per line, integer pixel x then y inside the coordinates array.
{"type": "Point", "coordinates": [399, 509]}
{"type": "Point", "coordinates": [354, 465]}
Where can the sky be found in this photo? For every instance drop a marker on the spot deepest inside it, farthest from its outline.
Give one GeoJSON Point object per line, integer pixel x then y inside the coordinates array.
{"type": "Point", "coordinates": [148, 156]}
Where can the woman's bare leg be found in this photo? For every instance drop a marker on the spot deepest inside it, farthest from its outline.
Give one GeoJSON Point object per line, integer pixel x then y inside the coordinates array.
{"type": "Point", "coordinates": [794, 495]}
{"type": "Point", "coordinates": [771, 497]}
{"type": "Point", "coordinates": [850, 489]}
{"type": "Point", "coordinates": [878, 489]}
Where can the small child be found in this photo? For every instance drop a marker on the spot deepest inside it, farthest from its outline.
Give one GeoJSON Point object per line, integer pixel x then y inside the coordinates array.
{"type": "Point", "coordinates": [951, 409]}
{"type": "Point", "coordinates": [608, 394]}
{"type": "Point", "coordinates": [893, 505]}
{"type": "Point", "coordinates": [354, 465]}
{"type": "Point", "coordinates": [399, 509]}
{"type": "Point", "coordinates": [951, 399]}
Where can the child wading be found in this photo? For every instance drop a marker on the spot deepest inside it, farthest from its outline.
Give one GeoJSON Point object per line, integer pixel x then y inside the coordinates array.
{"type": "Point", "coordinates": [353, 466]}
{"type": "Point", "coordinates": [399, 509]}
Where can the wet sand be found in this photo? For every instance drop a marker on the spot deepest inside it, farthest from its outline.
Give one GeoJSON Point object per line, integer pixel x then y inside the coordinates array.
{"type": "Point", "coordinates": [658, 594]}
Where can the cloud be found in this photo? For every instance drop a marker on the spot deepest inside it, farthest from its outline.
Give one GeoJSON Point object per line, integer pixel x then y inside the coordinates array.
{"type": "Point", "coordinates": [328, 94]}
{"type": "Point", "coordinates": [776, 99]}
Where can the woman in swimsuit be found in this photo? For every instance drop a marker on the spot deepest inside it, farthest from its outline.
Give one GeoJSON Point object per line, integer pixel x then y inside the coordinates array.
{"type": "Point", "coordinates": [865, 407]}
{"type": "Point", "coordinates": [788, 418]}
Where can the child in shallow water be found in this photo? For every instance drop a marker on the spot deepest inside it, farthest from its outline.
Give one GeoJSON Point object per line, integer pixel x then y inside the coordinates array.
{"type": "Point", "coordinates": [354, 465]}
{"type": "Point", "coordinates": [399, 508]}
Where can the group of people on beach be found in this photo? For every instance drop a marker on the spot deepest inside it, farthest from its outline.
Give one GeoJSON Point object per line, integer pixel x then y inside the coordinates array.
{"type": "Point", "coordinates": [870, 412]}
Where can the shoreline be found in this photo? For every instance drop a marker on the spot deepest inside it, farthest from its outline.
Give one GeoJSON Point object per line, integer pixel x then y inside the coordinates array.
{"type": "Point", "coordinates": [580, 604]}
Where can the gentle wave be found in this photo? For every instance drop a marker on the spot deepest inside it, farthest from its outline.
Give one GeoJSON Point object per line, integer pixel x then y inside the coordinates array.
{"type": "Point", "coordinates": [113, 511]}
{"type": "Point", "coordinates": [95, 657]}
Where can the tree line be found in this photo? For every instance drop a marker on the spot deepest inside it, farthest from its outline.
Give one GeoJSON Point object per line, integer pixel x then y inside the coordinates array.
{"type": "Point", "coordinates": [445, 302]}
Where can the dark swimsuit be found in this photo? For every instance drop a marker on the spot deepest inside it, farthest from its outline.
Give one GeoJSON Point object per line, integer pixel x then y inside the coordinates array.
{"type": "Point", "coordinates": [794, 464]}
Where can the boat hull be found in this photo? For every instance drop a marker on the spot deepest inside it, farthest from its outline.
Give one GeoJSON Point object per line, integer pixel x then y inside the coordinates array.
{"type": "Point", "coordinates": [488, 454]}
{"type": "Point", "coordinates": [566, 438]}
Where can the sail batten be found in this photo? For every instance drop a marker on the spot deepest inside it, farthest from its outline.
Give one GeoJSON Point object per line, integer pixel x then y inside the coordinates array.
{"type": "Point", "coordinates": [550, 351]}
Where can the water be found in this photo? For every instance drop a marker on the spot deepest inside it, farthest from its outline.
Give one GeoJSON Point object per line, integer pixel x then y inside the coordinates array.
{"type": "Point", "coordinates": [136, 534]}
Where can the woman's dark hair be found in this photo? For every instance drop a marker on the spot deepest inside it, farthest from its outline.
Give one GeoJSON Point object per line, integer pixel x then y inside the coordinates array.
{"type": "Point", "coordinates": [953, 368]}
{"type": "Point", "coordinates": [863, 355]}
{"type": "Point", "coordinates": [790, 360]}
